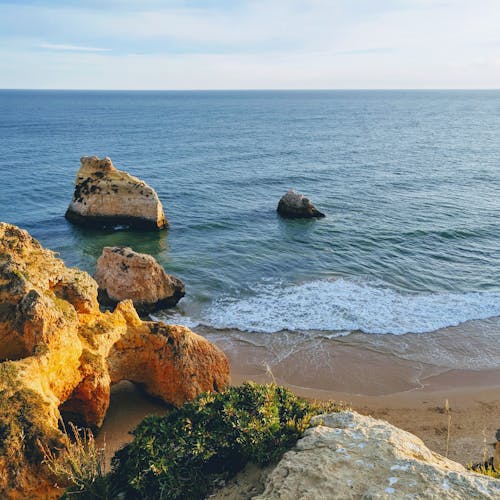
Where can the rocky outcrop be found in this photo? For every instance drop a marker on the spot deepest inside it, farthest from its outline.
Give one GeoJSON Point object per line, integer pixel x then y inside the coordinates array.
{"type": "Point", "coordinates": [59, 355]}
{"type": "Point", "coordinates": [348, 455]}
{"type": "Point", "coordinates": [105, 196]}
{"type": "Point", "coordinates": [294, 205]}
{"type": "Point", "coordinates": [124, 274]}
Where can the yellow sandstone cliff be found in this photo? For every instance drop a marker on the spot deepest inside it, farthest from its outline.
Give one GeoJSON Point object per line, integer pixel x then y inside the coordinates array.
{"type": "Point", "coordinates": [59, 354]}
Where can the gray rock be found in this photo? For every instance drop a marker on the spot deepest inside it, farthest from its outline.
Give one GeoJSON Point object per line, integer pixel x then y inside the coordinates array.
{"type": "Point", "coordinates": [295, 205]}
{"type": "Point", "coordinates": [348, 455]}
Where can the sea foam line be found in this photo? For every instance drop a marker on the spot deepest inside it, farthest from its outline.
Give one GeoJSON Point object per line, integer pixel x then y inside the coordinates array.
{"type": "Point", "coordinates": [347, 304]}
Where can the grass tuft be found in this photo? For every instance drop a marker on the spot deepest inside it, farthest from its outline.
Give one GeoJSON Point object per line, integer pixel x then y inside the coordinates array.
{"type": "Point", "coordinates": [80, 465]}
{"type": "Point", "coordinates": [485, 468]}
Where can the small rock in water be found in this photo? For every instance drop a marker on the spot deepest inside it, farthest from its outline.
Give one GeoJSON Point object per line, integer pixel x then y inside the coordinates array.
{"type": "Point", "coordinates": [295, 205]}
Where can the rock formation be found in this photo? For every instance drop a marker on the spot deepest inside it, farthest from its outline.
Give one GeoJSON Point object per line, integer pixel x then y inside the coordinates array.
{"type": "Point", "coordinates": [59, 355]}
{"type": "Point", "coordinates": [348, 455]}
{"type": "Point", "coordinates": [294, 205]}
{"type": "Point", "coordinates": [124, 274]}
{"type": "Point", "coordinates": [105, 196]}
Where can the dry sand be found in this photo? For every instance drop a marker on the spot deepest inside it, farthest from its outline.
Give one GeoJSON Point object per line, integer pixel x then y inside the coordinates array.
{"type": "Point", "coordinates": [129, 405]}
{"type": "Point", "coordinates": [408, 393]}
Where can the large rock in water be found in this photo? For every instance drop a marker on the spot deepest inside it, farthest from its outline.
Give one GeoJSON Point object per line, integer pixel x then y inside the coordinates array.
{"type": "Point", "coordinates": [59, 355]}
{"type": "Point", "coordinates": [124, 274]}
{"type": "Point", "coordinates": [352, 456]}
{"type": "Point", "coordinates": [105, 196]}
{"type": "Point", "coordinates": [294, 205]}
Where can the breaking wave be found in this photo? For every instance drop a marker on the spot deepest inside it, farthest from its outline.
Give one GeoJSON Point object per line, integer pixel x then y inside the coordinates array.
{"type": "Point", "coordinates": [347, 304]}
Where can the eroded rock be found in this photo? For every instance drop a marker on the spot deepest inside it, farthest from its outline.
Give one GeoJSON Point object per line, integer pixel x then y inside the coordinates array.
{"type": "Point", "coordinates": [294, 205]}
{"type": "Point", "coordinates": [348, 455]}
{"type": "Point", "coordinates": [106, 196]}
{"type": "Point", "coordinates": [60, 354]}
{"type": "Point", "coordinates": [124, 274]}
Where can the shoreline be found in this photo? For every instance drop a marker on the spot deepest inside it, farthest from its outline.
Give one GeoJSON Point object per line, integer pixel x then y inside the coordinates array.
{"type": "Point", "coordinates": [408, 394]}
{"type": "Point", "coordinates": [402, 379]}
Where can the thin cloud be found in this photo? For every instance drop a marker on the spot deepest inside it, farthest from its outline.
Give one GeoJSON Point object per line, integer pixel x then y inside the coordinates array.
{"type": "Point", "coordinates": [250, 44]}
{"type": "Point", "coordinates": [71, 48]}
{"type": "Point", "coordinates": [376, 50]}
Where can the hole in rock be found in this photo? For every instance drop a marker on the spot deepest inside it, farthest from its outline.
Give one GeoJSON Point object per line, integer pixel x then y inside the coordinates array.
{"type": "Point", "coordinates": [129, 405]}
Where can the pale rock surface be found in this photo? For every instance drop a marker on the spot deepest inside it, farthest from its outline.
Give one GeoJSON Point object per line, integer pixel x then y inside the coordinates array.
{"type": "Point", "coordinates": [59, 354]}
{"type": "Point", "coordinates": [106, 196]}
{"type": "Point", "coordinates": [348, 455]}
{"type": "Point", "coordinates": [124, 274]}
{"type": "Point", "coordinates": [294, 205]}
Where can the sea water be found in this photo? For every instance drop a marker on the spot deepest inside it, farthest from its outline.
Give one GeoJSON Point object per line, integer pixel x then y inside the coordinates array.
{"type": "Point", "coordinates": [408, 180]}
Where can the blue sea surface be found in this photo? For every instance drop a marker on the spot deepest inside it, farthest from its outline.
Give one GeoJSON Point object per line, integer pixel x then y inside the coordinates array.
{"type": "Point", "coordinates": [409, 181]}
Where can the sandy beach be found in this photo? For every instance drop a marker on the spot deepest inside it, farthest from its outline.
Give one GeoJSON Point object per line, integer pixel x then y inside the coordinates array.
{"type": "Point", "coordinates": [403, 380]}
{"type": "Point", "coordinates": [408, 393]}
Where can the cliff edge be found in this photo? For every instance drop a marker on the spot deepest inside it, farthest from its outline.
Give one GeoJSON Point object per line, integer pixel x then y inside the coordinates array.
{"type": "Point", "coordinates": [59, 355]}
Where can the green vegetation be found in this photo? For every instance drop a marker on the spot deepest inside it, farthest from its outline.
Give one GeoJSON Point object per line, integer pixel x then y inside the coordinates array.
{"type": "Point", "coordinates": [485, 468]}
{"type": "Point", "coordinates": [81, 465]}
{"type": "Point", "coordinates": [9, 375]}
{"type": "Point", "coordinates": [489, 471]}
{"type": "Point", "coordinates": [19, 274]}
{"type": "Point", "coordinates": [22, 425]}
{"type": "Point", "coordinates": [187, 453]}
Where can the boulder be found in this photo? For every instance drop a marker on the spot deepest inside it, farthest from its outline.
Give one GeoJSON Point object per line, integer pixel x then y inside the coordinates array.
{"type": "Point", "coordinates": [347, 455]}
{"type": "Point", "coordinates": [124, 274]}
{"type": "Point", "coordinates": [59, 355]}
{"type": "Point", "coordinates": [295, 205]}
{"type": "Point", "coordinates": [105, 196]}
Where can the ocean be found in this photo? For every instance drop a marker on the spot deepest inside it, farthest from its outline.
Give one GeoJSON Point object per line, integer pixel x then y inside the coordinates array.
{"type": "Point", "coordinates": [408, 180]}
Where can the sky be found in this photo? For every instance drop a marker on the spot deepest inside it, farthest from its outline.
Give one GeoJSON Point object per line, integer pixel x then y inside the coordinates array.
{"type": "Point", "coordinates": [249, 44]}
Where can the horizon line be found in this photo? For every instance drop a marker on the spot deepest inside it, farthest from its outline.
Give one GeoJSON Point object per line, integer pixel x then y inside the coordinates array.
{"type": "Point", "coordinates": [252, 89]}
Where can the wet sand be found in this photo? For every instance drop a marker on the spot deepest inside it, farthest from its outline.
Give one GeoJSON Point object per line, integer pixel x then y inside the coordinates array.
{"type": "Point", "coordinates": [404, 380]}
{"type": "Point", "coordinates": [387, 377]}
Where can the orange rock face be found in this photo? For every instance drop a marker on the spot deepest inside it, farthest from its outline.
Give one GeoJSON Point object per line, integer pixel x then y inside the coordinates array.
{"type": "Point", "coordinates": [59, 355]}
{"type": "Point", "coordinates": [163, 358]}
{"type": "Point", "coordinates": [124, 274]}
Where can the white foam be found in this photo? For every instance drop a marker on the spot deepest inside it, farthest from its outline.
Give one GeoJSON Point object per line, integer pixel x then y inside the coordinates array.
{"type": "Point", "coordinates": [347, 305]}
{"type": "Point", "coordinates": [175, 319]}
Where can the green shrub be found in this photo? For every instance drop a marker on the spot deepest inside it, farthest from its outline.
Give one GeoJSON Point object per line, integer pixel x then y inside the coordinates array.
{"type": "Point", "coordinates": [188, 452]}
